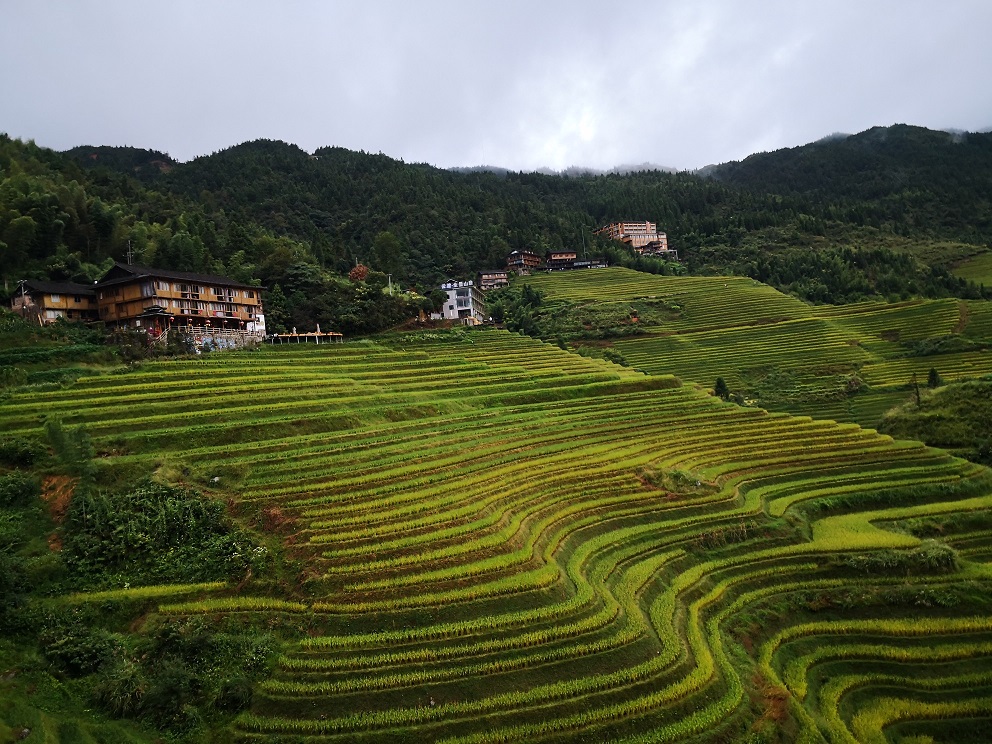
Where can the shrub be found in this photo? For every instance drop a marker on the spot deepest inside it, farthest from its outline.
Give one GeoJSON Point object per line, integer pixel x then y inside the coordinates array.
{"type": "Point", "coordinates": [235, 695]}
{"type": "Point", "coordinates": [172, 691]}
{"type": "Point", "coordinates": [18, 489]}
{"type": "Point", "coordinates": [12, 376]}
{"type": "Point", "coordinates": [120, 687]}
{"type": "Point", "coordinates": [79, 650]}
{"type": "Point", "coordinates": [720, 389]}
{"type": "Point", "coordinates": [13, 583]}
{"type": "Point", "coordinates": [612, 355]}
{"type": "Point", "coordinates": [20, 452]}
{"type": "Point", "coordinates": [930, 557]}
{"type": "Point", "coordinates": [72, 447]}
{"type": "Point", "coordinates": [154, 533]}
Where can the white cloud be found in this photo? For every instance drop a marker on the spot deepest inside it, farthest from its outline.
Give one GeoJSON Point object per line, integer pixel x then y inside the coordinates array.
{"type": "Point", "coordinates": [522, 84]}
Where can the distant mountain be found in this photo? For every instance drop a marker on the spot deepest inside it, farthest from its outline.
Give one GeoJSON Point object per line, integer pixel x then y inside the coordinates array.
{"type": "Point", "coordinates": [874, 164]}
{"type": "Point", "coordinates": [910, 177]}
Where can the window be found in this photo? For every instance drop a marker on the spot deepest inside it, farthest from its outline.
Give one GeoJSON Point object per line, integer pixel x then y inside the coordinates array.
{"type": "Point", "coordinates": [164, 286]}
{"type": "Point", "coordinates": [56, 298]}
{"type": "Point", "coordinates": [77, 298]}
{"type": "Point", "coordinates": [147, 290]}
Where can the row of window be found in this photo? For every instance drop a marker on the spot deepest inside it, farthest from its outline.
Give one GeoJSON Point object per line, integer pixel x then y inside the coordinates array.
{"type": "Point", "coordinates": [70, 314]}
{"type": "Point", "coordinates": [196, 289]}
{"type": "Point", "coordinates": [187, 291]}
{"type": "Point", "coordinates": [78, 299]}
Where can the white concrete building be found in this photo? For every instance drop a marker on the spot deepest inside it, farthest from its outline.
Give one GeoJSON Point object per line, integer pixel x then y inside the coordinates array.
{"type": "Point", "coordinates": [465, 303]}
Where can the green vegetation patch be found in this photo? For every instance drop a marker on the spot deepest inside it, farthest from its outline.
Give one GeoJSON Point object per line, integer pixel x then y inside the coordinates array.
{"type": "Point", "coordinates": [977, 269]}
{"type": "Point", "coordinates": [955, 417]}
{"type": "Point", "coordinates": [152, 534]}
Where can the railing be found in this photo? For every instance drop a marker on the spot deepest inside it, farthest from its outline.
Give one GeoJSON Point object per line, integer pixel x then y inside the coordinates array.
{"type": "Point", "coordinates": [329, 337]}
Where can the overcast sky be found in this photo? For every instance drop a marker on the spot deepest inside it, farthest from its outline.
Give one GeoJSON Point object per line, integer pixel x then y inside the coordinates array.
{"type": "Point", "coordinates": [520, 84]}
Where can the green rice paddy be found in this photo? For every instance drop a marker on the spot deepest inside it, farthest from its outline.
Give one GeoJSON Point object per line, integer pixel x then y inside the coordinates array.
{"type": "Point", "coordinates": [847, 363]}
{"type": "Point", "coordinates": [503, 541]}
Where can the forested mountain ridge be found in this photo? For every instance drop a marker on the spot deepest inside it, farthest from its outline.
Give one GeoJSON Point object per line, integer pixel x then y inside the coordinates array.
{"type": "Point", "coordinates": [922, 181]}
{"type": "Point", "coordinates": [269, 211]}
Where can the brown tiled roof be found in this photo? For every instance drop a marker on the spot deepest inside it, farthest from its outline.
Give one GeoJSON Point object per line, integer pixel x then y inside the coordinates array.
{"type": "Point", "coordinates": [139, 272]}
{"type": "Point", "coordinates": [67, 288]}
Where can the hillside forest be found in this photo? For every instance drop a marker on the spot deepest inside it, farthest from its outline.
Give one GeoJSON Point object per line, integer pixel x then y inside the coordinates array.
{"type": "Point", "coordinates": [890, 213]}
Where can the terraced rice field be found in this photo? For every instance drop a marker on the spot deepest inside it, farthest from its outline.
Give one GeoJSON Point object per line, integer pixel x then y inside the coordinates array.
{"type": "Point", "coordinates": [507, 542]}
{"type": "Point", "coordinates": [977, 269]}
{"type": "Point", "coordinates": [705, 301]}
{"type": "Point", "coordinates": [849, 362]}
{"type": "Point", "coordinates": [979, 319]}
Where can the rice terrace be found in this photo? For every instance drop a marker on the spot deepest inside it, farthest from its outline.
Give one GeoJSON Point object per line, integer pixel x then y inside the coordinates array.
{"type": "Point", "coordinates": [487, 538]}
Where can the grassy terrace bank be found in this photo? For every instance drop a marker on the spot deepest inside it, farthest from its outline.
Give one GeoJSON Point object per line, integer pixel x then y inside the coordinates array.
{"type": "Point", "coordinates": [847, 362]}
{"type": "Point", "coordinates": [498, 541]}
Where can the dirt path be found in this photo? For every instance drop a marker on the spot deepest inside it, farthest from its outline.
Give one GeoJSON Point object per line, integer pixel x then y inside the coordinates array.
{"type": "Point", "coordinates": [57, 492]}
{"type": "Point", "coordinates": [962, 317]}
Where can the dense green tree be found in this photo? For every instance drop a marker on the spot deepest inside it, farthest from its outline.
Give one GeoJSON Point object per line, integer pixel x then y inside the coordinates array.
{"type": "Point", "coordinates": [720, 389]}
{"type": "Point", "coordinates": [825, 222]}
{"type": "Point", "coordinates": [386, 254]}
{"type": "Point", "coordinates": [276, 310]}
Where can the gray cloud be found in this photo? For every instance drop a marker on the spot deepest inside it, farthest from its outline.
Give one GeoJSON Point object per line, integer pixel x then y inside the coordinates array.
{"type": "Point", "coordinates": [519, 84]}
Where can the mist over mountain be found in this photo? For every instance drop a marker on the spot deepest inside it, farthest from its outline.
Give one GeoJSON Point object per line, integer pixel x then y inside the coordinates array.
{"type": "Point", "coordinates": [571, 171]}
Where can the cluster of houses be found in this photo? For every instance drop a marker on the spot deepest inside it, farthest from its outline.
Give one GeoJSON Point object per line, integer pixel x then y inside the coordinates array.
{"type": "Point", "coordinates": [466, 300]}
{"type": "Point", "coordinates": [158, 299]}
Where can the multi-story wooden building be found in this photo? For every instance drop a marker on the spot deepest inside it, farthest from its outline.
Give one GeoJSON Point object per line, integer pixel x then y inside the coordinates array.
{"type": "Point", "coordinates": [46, 302]}
{"type": "Point", "coordinates": [137, 296]}
{"type": "Point", "coordinates": [493, 279]}
{"type": "Point", "coordinates": [558, 260]}
{"type": "Point", "coordinates": [522, 261]}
